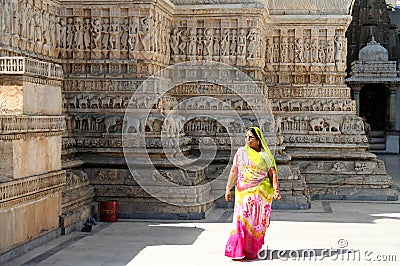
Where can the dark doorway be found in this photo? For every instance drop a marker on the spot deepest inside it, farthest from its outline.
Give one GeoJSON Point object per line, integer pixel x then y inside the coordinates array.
{"type": "Point", "coordinates": [373, 105]}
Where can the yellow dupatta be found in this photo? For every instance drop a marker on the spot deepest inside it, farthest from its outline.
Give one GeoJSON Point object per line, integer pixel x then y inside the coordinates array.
{"type": "Point", "coordinates": [263, 159]}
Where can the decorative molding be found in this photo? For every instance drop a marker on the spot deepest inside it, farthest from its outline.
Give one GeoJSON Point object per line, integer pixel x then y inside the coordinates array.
{"type": "Point", "coordinates": [310, 7]}
{"type": "Point", "coordinates": [31, 198]}
{"type": "Point", "coordinates": [12, 124]}
{"type": "Point", "coordinates": [31, 185]}
{"type": "Point", "coordinates": [292, 139]}
{"type": "Point", "coordinates": [309, 92]}
{"type": "Point", "coordinates": [14, 136]}
{"type": "Point", "coordinates": [18, 65]}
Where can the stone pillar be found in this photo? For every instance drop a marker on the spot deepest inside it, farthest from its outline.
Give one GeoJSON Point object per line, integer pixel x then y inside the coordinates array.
{"type": "Point", "coordinates": [31, 127]}
{"type": "Point", "coordinates": [397, 107]}
{"type": "Point", "coordinates": [392, 108]}
{"type": "Point", "coordinates": [356, 91]}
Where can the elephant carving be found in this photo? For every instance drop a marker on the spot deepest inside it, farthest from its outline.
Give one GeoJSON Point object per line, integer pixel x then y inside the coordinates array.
{"type": "Point", "coordinates": [131, 125]}
{"type": "Point", "coordinates": [332, 126]}
{"type": "Point", "coordinates": [113, 124]}
{"type": "Point", "coordinates": [317, 124]}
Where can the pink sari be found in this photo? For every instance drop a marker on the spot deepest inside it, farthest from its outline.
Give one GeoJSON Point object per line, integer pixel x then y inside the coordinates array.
{"type": "Point", "coordinates": [253, 198]}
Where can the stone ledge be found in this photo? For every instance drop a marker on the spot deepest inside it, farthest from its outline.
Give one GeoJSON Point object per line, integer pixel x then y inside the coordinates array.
{"type": "Point", "coordinates": [291, 206]}
{"type": "Point", "coordinates": [10, 137]}
{"type": "Point", "coordinates": [19, 65]}
{"type": "Point", "coordinates": [353, 193]}
{"type": "Point", "coordinates": [355, 197]}
{"type": "Point", "coordinates": [11, 124]}
{"type": "Point", "coordinates": [164, 216]}
{"type": "Point", "coordinates": [31, 185]}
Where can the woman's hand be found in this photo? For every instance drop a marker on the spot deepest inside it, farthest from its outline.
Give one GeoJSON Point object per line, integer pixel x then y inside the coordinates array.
{"type": "Point", "coordinates": [228, 196]}
{"type": "Point", "coordinates": [277, 194]}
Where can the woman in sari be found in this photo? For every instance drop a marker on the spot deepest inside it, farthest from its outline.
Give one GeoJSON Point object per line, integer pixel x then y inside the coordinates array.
{"type": "Point", "coordinates": [255, 172]}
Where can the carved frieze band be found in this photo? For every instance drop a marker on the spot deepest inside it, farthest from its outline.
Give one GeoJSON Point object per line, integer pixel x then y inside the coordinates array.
{"type": "Point", "coordinates": [309, 92]}
{"type": "Point", "coordinates": [324, 138]}
{"type": "Point", "coordinates": [315, 105]}
{"type": "Point", "coordinates": [213, 89]}
{"type": "Point", "coordinates": [17, 65]}
{"type": "Point", "coordinates": [10, 124]}
{"type": "Point", "coordinates": [29, 198]}
{"type": "Point", "coordinates": [145, 32]}
{"type": "Point", "coordinates": [338, 7]}
{"type": "Point", "coordinates": [77, 199]}
{"type": "Point", "coordinates": [335, 167]}
{"type": "Point", "coordinates": [100, 85]}
{"type": "Point", "coordinates": [319, 125]}
{"type": "Point", "coordinates": [30, 185]}
{"type": "Point", "coordinates": [9, 137]}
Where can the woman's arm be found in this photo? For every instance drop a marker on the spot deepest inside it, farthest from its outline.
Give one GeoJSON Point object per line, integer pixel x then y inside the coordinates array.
{"type": "Point", "coordinates": [274, 178]}
{"type": "Point", "coordinates": [231, 180]}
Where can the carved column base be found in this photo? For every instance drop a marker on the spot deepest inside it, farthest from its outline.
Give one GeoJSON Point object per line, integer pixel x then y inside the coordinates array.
{"type": "Point", "coordinates": [105, 54]}
{"type": "Point", "coordinates": [232, 60]}
{"type": "Point", "coordinates": [6, 39]}
{"type": "Point", "coordinates": [96, 54]}
{"type": "Point", "coordinates": [133, 54]}
{"type": "Point", "coordinates": [225, 59]}
{"type": "Point", "coordinates": [347, 177]}
{"type": "Point", "coordinates": [124, 53]}
{"type": "Point", "coordinates": [114, 54]}
{"type": "Point", "coordinates": [46, 49]}
{"type": "Point", "coordinates": [241, 61]}
{"type": "Point", "coordinates": [77, 54]}
{"type": "Point", "coordinates": [14, 41]}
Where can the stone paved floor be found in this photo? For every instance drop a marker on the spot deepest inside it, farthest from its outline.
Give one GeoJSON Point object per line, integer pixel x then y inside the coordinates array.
{"type": "Point", "coordinates": [333, 232]}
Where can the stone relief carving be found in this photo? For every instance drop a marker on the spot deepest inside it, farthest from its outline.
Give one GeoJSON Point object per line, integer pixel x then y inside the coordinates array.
{"type": "Point", "coordinates": [220, 42]}
{"type": "Point", "coordinates": [313, 105]}
{"type": "Point", "coordinates": [217, 43]}
{"type": "Point", "coordinates": [349, 124]}
{"type": "Point", "coordinates": [105, 29]}
{"type": "Point", "coordinates": [75, 178]}
{"type": "Point", "coordinates": [96, 32]}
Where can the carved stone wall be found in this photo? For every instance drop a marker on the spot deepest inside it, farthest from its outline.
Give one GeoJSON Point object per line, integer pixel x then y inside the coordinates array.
{"type": "Point", "coordinates": [295, 51]}
{"type": "Point", "coordinates": [31, 127]}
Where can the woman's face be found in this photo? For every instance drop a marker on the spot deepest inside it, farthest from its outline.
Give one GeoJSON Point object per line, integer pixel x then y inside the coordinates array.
{"type": "Point", "coordinates": [251, 140]}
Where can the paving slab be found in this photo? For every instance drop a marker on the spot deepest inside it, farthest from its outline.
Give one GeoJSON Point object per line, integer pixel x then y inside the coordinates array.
{"type": "Point", "coordinates": [329, 233]}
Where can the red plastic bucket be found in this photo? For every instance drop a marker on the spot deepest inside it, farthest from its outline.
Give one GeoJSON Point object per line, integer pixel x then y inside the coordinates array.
{"type": "Point", "coordinates": [109, 211]}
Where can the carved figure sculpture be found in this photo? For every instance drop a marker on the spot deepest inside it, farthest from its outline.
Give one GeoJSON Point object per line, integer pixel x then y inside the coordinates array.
{"type": "Point", "coordinates": [174, 41]}
{"type": "Point", "coordinates": [225, 43]}
{"type": "Point", "coordinates": [114, 33]}
{"type": "Point", "coordinates": [125, 34]}
{"type": "Point", "coordinates": [86, 34]}
{"type": "Point", "coordinates": [232, 43]}
{"type": "Point", "coordinates": [192, 42]}
{"type": "Point", "coordinates": [70, 33]}
{"type": "Point", "coordinates": [96, 33]}
{"type": "Point", "coordinates": [241, 42]}
{"type": "Point", "coordinates": [105, 28]}
{"type": "Point", "coordinates": [208, 42]}
{"type": "Point", "coordinates": [252, 44]}
{"type": "Point", "coordinates": [299, 50]}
